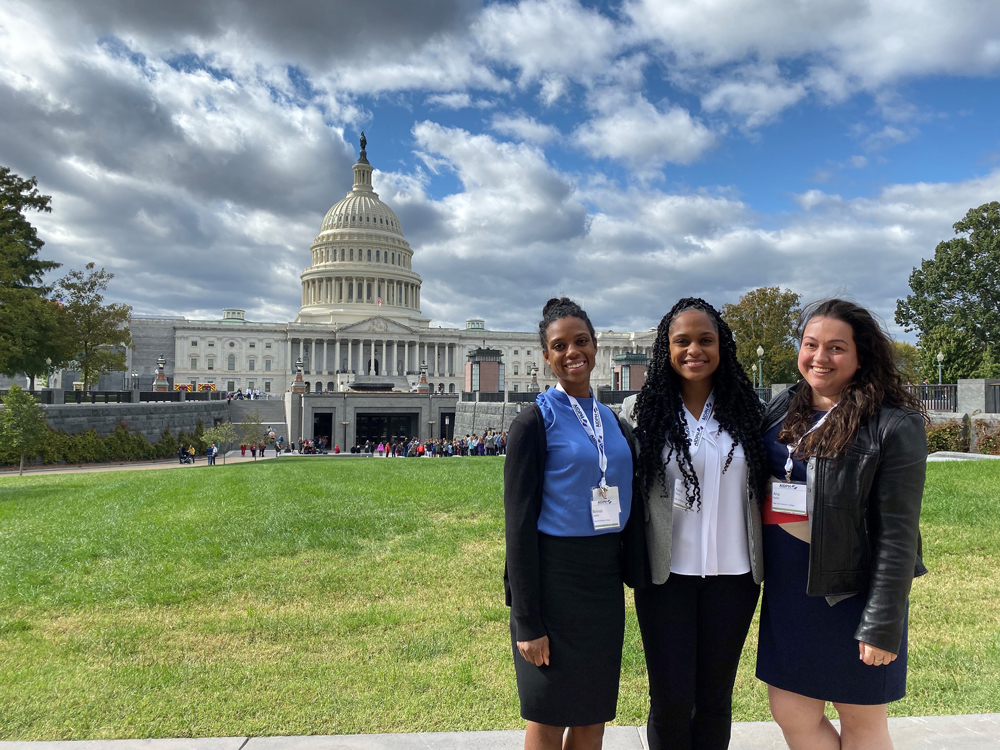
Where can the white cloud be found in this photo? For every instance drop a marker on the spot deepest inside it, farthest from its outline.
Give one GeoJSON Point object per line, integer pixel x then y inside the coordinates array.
{"type": "Point", "coordinates": [635, 131]}
{"type": "Point", "coordinates": [525, 128]}
{"type": "Point", "coordinates": [548, 39]}
{"type": "Point", "coordinates": [757, 94]}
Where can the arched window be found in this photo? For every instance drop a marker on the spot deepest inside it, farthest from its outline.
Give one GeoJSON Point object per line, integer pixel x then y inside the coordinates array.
{"type": "Point", "coordinates": [369, 255]}
{"type": "Point", "coordinates": [451, 388]}
{"type": "Point", "coordinates": [231, 362]}
{"type": "Point", "coordinates": [307, 386]}
{"type": "Point", "coordinates": [341, 253]}
{"type": "Point", "coordinates": [331, 387]}
{"type": "Point", "coordinates": [360, 291]}
{"type": "Point", "coordinates": [394, 259]}
{"type": "Point", "coordinates": [369, 297]}
{"type": "Point", "coordinates": [377, 259]}
{"type": "Point", "coordinates": [350, 291]}
{"type": "Point", "coordinates": [352, 253]}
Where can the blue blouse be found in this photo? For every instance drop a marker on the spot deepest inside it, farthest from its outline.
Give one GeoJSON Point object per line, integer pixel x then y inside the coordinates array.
{"type": "Point", "coordinates": [571, 467]}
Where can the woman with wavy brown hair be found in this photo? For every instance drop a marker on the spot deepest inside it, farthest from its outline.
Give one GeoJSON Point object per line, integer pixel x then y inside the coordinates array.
{"type": "Point", "coordinates": [847, 451]}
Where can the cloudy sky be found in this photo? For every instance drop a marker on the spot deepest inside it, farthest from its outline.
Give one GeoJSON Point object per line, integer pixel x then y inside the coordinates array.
{"type": "Point", "coordinates": [624, 153]}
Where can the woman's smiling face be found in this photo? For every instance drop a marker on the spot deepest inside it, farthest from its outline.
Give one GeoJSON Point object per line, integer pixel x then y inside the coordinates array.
{"type": "Point", "coordinates": [828, 356]}
{"type": "Point", "coordinates": [694, 345]}
{"type": "Point", "coordinates": [571, 352]}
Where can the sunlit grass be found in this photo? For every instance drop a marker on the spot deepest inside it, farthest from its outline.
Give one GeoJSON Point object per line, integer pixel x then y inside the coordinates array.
{"type": "Point", "coordinates": [309, 597]}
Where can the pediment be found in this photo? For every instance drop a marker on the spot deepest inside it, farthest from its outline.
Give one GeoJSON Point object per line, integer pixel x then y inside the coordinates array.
{"type": "Point", "coordinates": [376, 324]}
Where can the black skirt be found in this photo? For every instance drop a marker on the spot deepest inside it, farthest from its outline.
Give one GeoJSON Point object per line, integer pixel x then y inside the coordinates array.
{"type": "Point", "coordinates": [808, 647]}
{"type": "Point", "coordinates": [583, 610]}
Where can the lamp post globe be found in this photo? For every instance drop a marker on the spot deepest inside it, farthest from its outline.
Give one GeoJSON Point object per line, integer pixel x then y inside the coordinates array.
{"type": "Point", "coordinates": [940, 359]}
{"type": "Point", "coordinates": [760, 366]}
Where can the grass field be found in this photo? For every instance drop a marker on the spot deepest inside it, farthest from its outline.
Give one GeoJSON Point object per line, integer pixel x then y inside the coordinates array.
{"type": "Point", "coordinates": [308, 597]}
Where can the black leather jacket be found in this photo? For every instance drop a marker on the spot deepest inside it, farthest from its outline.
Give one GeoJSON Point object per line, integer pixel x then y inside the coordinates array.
{"type": "Point", "coordinates": [864, 513]}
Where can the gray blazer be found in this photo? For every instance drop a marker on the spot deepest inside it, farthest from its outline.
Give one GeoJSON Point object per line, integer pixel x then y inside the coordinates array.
{"type": "Point", "coordinates": [660, 520]}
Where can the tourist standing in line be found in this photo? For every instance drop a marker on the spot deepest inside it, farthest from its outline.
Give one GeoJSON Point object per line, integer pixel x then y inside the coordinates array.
{"type": "Point", "coordinates": [702, 470]}
{"type": "Point", "coordinates": [567, 504]}
{"type": "Point", "coordinates": [847, 449]}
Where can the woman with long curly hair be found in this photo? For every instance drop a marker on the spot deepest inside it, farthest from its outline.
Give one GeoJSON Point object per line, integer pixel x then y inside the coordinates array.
{"type": "Point", "coordinates": [701, 469]}
{"type": "Point", "coordinates": [847, 449]}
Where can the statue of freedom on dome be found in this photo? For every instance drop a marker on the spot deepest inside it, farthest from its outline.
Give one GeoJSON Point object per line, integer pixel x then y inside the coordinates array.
{"type": "Point", "coordinates": [364, 141]}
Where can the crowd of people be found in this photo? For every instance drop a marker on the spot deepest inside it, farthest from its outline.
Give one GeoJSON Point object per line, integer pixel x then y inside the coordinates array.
{"type": "Point", "coordinates": [696, 496]}
{"type": "Point", "coordinates": [489, 443]}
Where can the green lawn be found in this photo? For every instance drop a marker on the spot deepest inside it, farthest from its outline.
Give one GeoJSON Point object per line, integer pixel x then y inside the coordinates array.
{"type": "Point", "coordinates": [342, 596]}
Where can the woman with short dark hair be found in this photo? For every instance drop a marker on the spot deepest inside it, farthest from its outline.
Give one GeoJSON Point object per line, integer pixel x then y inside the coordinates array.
{"type": "Point", "coordinates": [847, 449]}
{"type": "Point", "coordinates": [570, 542]}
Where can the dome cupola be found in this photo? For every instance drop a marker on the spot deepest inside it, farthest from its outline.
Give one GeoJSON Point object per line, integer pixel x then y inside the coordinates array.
{"type": "Point", "coordinates": [360, 260]}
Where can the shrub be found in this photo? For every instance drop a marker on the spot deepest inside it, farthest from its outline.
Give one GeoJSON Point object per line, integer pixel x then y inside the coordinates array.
{"type": "Point", "coordinates": [167, 447]}
{"type": "Point", "coordinates": [987, 439]}
{"type": "Point", "coordinates": [950, 436]}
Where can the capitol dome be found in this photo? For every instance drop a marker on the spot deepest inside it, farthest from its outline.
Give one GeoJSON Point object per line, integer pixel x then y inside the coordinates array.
{"type": "Point", "coordinates": [361, 263]}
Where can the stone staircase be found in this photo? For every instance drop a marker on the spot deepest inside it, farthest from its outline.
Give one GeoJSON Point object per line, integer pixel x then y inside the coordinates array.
{"type": "Point", "coordinates": [272, 414]}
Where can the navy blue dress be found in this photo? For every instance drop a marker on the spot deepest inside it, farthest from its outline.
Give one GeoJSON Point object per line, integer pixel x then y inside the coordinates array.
{"type": "Point", "coordinates": [805, 646]}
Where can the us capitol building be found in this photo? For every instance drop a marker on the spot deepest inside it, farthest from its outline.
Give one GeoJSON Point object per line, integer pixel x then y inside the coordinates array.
{"type": "Point", "coordinates": [359, 327]}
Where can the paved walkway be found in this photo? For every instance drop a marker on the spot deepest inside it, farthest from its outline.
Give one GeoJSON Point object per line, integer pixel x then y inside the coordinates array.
{"type": "Point", "coordinates": [970, 732]}
{"type": "Point", "coordinates": [233, 457]}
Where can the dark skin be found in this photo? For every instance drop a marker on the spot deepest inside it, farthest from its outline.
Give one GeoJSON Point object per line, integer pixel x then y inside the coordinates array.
{"type": "Point", "coordinates": [571, 353]}
{"type": "Point", "coordinates": [694, 356]}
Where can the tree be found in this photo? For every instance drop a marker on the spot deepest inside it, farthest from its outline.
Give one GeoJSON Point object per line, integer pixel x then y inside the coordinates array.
{"type": "Point", "coordinates": [97, 334]}
{"type": "Point", "coordinates": [224, 434]}
{"type": "Point", "coordinates": [766, 317]}
{"type": "Point", "coordinates": [22, 423]}
{"type": "Point", "coordinates": [251, 430]}
{"type": "Point", "coordinates": [907, 361]}
{"type": "Point", "coordinates": [955, 302]}
{"type": "Point", "coordinates": [29, 331]}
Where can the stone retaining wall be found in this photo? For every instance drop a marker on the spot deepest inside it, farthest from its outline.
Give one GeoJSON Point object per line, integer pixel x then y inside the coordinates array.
{"type": "Point", "coordinates": [148, 419]}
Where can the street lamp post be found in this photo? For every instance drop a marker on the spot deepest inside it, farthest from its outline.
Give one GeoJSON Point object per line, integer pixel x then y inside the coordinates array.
{"type": "Point", "coordinates": [754, 368]}
{"type": "Point", "coordinates": [760, 366]}
{"type": "Point", "coordinates": [135, 384]}
{"type": "Point", "coordinates": [940, 359]}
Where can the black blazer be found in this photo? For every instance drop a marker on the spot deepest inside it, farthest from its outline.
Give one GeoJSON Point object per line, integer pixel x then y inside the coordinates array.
{"type": "Point", "coordinates": [523, 474]}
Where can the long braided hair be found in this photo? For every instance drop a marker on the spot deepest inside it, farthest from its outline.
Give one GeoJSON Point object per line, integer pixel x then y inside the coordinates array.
{"type": "Point", "coordinates": [659, 410]}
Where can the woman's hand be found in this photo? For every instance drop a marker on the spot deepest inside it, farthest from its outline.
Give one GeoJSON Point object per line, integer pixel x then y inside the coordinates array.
{"type": "Point", "coordinates": [870, 655]}
{"type": "Point", "coordinates": [536, 651]}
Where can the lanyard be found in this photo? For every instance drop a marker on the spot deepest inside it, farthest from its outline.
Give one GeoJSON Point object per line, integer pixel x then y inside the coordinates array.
{"type": "Point", "coordinates": [791, 448]}
{"type": "Point", "coordinates": [699, 433]}
{"type": "Point", "coordinates": [595, 433]}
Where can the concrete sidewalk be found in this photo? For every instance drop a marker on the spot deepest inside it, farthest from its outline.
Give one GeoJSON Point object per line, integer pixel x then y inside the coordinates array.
{"type": "Point", "coordinates": [969, 732]}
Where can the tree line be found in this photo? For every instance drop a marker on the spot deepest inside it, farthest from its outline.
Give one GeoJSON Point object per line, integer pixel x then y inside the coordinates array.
{"type": "Point", "coordinates": [49, 326]}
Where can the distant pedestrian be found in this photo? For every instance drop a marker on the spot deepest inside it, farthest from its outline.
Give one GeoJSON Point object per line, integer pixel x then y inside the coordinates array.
{"type": "Point", "coordinates": [243, 450]}
{"type": "Point", "coordinates": [253, 451]}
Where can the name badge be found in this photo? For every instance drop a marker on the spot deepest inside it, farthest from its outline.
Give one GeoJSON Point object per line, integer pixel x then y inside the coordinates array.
{"type": "Point", "coordinates": [680, 496]}
{"type": "Point", "coordinates": [789, 497]}
{"type": "Point", "coordinates": [605, 508]}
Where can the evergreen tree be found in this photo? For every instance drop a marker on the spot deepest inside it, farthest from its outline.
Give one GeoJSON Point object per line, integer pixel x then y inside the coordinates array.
{"type": "Point", "coordinates": [30, 341]}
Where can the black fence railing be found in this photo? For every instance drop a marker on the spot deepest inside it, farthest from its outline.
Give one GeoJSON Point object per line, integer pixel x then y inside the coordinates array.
{"type": "Point", "coordinates": [521, 397]}
{"type": "Point", "coordinates": [614, 397]}
{"type": "Point", "coordinates": [993, 398]}
{"type": "Point", "coordinates": [97, 397]}
{"type": "Point", "coordinates": [42, 397]}
{"type": "Point", "coordinates": [764, 394]}
{"type": "Point", "coordinates": [936, 397]}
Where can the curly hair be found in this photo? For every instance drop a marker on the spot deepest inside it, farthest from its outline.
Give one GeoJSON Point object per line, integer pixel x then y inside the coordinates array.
{"type": "Point", "coordinates": [659, 409]}
{"type": "Point", "coordinates": [556, 309]}
{"type": "Point", "coordinates": [877, 383]}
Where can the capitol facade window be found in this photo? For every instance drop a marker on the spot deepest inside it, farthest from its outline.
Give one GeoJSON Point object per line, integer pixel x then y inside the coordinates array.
{"type": "Point", "coordinates": [194, 363]}
{"type": "Point", "coordinates": [252, 364]}
{"type": "Point", "coordinates": [231, 362]}
{"type": "Point", "coordinates": [267, 365]}
{"type": "Point", "coordinates": [211, 363]}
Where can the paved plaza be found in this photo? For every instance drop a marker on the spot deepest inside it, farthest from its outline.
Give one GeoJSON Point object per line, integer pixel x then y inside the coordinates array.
{"type": "Point", "coordinates": [969, 732]}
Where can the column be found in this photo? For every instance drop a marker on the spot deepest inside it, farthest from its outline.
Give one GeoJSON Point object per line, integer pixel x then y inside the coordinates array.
{"type": "Point", "coordinates": [300, 348]}
{"type": "Point", "coordinates": [336, 353]}
{"type": "Point", "coordinates": [326, 361]}
{"type": "Point", "coordinates": [434, 366]}
{"type": "Point", "coordinates": [350, 347]}
{"type": "Point", "coordinates": [371, 359]}
{"type": "Point", "coordinates": [406, 356]}
{"type": "Point", "coordinates": [291, 365]}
